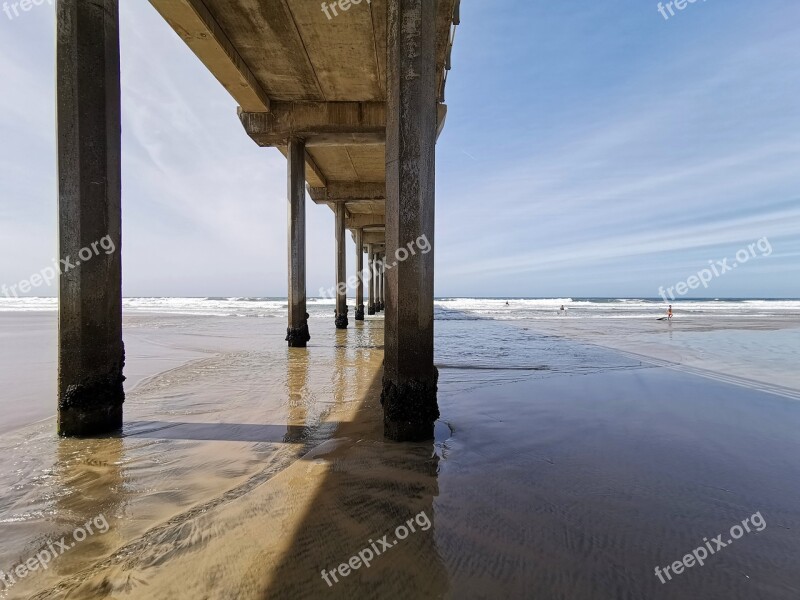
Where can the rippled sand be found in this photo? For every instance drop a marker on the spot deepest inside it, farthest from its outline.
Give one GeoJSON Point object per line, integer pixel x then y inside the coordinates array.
{"type": "Point", "coordinates": [560, 470]}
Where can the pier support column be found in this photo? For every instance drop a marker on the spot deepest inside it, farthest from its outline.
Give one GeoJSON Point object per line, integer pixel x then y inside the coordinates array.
{"type": "Point", "coordinates": [410, 377]}
{"type": "Point", "coordinates": [359, 234]}
{"type": "Point", "coordinates": [297, 333]}
{"type": "Point", "coordinates": [341, 268]}
{"type": "Point", "coordinates": [371, 269]}
{"type": "Point", "coordinates": [382, 280]}
{"type": "Point", "coordinates": [91, 355]}
{"type": "Point", "coordinates": [378, 284]}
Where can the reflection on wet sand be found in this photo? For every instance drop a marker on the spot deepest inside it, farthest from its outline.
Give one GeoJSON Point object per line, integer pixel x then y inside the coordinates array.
{"type": "Point", "coordinates": [369, 488]}
{"type": "Point", "coordinates": [254, 519]}
{"type": "Point", "coordinates": [296, 387]}
{"type": "Point", "coordinates": [91, 483]}
{"type": "Point", "coordinates": [83, 484]}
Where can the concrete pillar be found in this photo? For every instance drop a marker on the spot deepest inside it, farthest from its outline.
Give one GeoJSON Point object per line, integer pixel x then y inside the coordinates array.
{"type": "Point", "coordinates": [383, 282]}
{"type": "Point", "coordinates": [410, 377]}
{"type": "Point", "coordinates": [297, 333]}
{"type": "Point", "coordinates": [91, 355]}
{"type": "Point", "coordinates": [341, 268]}
{"type": "Point", "coordinates": [379, 283]}
{"type": "Point", "coordinates": [359, 234]}
{"type": "Point", "coordinates": [371, 269]}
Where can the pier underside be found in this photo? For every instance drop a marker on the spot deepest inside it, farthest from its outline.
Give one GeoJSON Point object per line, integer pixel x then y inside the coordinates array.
{"type": "Point", "coordinates": [352, 94]}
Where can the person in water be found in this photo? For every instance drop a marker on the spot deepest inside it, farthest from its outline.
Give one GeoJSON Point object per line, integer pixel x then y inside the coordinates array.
{"type": "Point", "coordinates": [669, 312]}
{"type": "Point", "coordinates": [563, 311]}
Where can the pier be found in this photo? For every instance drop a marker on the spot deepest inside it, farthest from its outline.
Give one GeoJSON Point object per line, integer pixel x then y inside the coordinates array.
{"type": "Point", "coordinates": [352, 93]}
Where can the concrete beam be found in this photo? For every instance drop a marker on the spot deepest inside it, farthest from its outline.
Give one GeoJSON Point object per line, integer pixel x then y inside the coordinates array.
{"type": "Point", "coordinates": [320, 123]}
{"type": "Point", "coordinates": [360, 221]}
{"type": "Point", "coordinates": [91, 354]}
{"type": "Point", "coordinates": [442, 117]}
{"type": "Point", "coordinates": [377, 241]}
{"type": "Point", "coordinates": [362, 207]}
{"type": "Point", "coordinates": [193, 22]}
{"type": "Point", "coordinates": [448, 16]}
{"type": "Point", "coordinates": [315, 170]}
{"type": "Point", "coordinates": [375, 238]}
{"type": "Point", "coordinates": [348, 191]}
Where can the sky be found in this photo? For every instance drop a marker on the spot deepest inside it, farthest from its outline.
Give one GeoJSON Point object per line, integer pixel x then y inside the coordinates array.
{"type": "Point", "coordinates": [592, 149]}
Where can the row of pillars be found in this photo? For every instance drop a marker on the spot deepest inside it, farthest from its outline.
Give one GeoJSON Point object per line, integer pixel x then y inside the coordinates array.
{"type": "Point", "coordinates": [376, 278]}
{"type": "Point", "coordinates": [377, 287]}
{"type": "Point", "coordinates": [376, 275]}
{"type": "Point", "coordinates": [91, 351]}
{"type": "Point", "coordinates": [297, 332]}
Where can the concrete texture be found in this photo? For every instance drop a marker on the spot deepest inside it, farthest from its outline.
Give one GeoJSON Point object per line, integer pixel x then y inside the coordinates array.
{"type": "Point", "coordinates": [410, 378]}
{"type": "Point", "coordinates": [91, 355]}
{"type": "Point", "coordinates": [283, 63]}
{"type": "Point", "coordinates": [359, 239]}
{"type": "Point", "coordinates": [379, 283]}
{"type": "Point", "coordinates": [297, 334]}
{"type": "Point", "coordinates": [371, 269]}
{"type": "Point", "coordinates": [382, 281]}
{"type": "Point", "coordinates": [341, 269]}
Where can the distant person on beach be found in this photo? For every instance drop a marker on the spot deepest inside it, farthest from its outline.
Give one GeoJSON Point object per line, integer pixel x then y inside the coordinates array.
{"type": "Point", "coordinates": [669, 312]}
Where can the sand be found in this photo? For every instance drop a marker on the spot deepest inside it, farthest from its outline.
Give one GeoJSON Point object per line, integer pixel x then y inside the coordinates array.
{"type": "Point", "coordinates": [758, 351]}
{"type": "Point", "coordinates": [560, 470]}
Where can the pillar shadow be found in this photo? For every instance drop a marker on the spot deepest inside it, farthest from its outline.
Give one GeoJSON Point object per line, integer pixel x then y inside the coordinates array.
{"type": "Point", "coordinates": [372, 487]}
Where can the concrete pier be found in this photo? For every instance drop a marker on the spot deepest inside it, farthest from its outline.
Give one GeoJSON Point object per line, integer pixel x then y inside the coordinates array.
{"type": "Point", "coordinates": [341, 268]}
{"type": "Point", "coordinates": [91, 354]}
{"type": "Point", "coordinates": [360, 134]}
{"type": "Point", "coordinates": [297, 333]}
{"type": "Point", "coordinates": [359, 239]}
{"type": "Point", "coordinates": [410, 377]}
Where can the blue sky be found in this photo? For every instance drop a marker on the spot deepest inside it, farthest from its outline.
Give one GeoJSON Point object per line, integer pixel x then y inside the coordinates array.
{"type": "Point", "coordinates": [591, 149]}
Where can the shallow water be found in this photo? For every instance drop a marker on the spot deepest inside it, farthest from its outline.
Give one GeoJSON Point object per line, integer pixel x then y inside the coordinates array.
{"type": "Point", "coordinates": [561, 469]}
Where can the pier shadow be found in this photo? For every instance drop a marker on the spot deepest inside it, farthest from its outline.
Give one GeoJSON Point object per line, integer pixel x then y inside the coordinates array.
{"type": "Point", "coordinates": [371, 487]}
{"type": "Point", "coordinates": [339, 489]}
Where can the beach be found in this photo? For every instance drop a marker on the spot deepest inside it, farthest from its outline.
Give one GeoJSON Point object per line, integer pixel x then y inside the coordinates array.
{"type": "Point", "coordinates": [573, 455]}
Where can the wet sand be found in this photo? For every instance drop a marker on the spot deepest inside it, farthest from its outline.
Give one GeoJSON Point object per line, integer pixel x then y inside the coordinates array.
{"type": "Point", "coordinates": [759, 351]}
{"type": "Point", "coordinates": [28, 369]}
{"type": "Point", "coordinates": [570, 472]}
